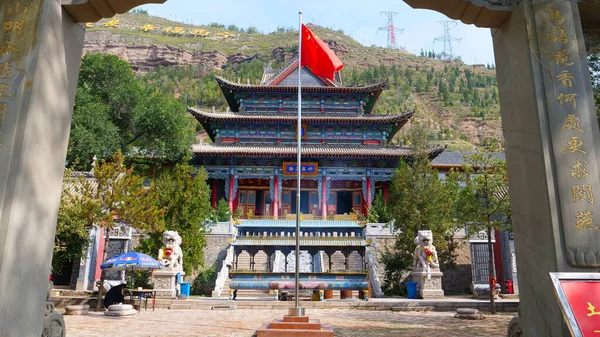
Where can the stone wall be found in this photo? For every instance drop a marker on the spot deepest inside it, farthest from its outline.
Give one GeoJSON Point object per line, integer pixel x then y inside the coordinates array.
{"type": "Point", "coordinates": [458, 279]}
{"type": "Point", "coordinates": [215, 250]}
{"type": "Point", "coordinates": [455, 280]}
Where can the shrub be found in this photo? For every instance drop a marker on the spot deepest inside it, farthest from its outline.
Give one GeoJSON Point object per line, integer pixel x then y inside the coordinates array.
{"type": "Point", "coordinates": [204, 283]}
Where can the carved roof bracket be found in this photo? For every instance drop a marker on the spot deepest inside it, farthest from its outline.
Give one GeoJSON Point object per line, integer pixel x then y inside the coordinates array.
{"type": "Point", "coordinates": [94, 10]}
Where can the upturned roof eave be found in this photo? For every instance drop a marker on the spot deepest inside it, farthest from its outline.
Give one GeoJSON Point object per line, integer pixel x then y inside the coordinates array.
{"type": "Point", "coordinates": [228, 88]}
{"type": "Point", "coordinates": [401, 119]}
{"type": "Point", "coordinates": [309, 151]}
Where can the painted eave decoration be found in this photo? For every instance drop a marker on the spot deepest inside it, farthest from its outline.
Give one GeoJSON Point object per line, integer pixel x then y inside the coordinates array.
{"type": "Point", "coordinates": [95, 10]}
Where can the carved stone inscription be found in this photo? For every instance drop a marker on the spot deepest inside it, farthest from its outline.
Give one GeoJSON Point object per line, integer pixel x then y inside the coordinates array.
{"type": "Point", "coordinates": [479, 263]}
{"type": "Point", "coordinates": [573, 125]}
{"type": "Point", "coordinates": [17, 22]}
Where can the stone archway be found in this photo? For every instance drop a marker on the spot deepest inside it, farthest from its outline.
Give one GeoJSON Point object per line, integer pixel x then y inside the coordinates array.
{"type": "Point", "coordinates": [540, 49]}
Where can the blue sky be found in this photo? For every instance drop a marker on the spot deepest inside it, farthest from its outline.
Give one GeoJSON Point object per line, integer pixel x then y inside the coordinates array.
{"type": "Point", "coordinates": [359, 19]}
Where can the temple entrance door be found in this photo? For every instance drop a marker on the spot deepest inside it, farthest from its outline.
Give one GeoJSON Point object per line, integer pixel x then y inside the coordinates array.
{"type": "Point", "coordinates": [304, 206]}
{"type": "Point", "coordinates": [260, 207]}
{"type": "Point", "coordinates": [344, 202]}
{"type": "Point", "coordinates": [303, 202]}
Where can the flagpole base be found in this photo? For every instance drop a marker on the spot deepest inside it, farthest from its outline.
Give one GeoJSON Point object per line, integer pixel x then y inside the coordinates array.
{"type": "Point", "coordinates": [296, 312]}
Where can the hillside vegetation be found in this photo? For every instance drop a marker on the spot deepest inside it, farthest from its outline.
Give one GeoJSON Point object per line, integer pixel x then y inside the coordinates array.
{"type": "Point", "coordinates": [457, 103]}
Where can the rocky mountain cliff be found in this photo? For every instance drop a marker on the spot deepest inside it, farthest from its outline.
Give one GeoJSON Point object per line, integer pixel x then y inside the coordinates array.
{"type": "Point", "coordinates": [144, 57]}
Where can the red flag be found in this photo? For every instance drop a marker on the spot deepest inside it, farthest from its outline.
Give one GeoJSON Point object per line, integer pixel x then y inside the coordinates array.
{"type": "Point", "coordinates": [317, 56]}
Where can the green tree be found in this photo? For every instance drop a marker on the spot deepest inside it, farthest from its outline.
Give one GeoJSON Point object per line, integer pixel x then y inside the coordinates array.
{"type": "Point", "coordinates": [114, 111]}
{"type": "Point", "coordinates": [419, 200]}
{"type": "Point", "coordinates": [75, 219]}
{"type": "Point", "coordinates": [185, 197]}
{"type": "Point", "coordinates": [485, 202]}
{"type": "Point", "coordinates": [379, 212]}
{"type": "Point", "coordinates": [120, 197]}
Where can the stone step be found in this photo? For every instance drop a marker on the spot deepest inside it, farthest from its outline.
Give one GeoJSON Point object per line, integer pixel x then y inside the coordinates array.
{"type": "Point", "coordinates": [268, 330]}
{"type": "Point", "coordinates": [295, 325]}
{"type": "Point", "coordinates": [303, 319]}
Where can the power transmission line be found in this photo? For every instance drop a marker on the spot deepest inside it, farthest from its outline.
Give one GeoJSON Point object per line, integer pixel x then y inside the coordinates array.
{"type": "Point", "coordinates": [447, 39]}
{"type": "Point", "coordinates": [391, 30]}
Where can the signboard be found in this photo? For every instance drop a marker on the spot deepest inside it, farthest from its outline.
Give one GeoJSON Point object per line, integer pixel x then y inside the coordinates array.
{"type": "Point", "coordinates": [579, 298]}
{"type": "Point", "coordinates": [306, 169]}
{"type": "Point", "coordinates": [480, 263]}
{"type": "Point", "coordinates": [303, 131]}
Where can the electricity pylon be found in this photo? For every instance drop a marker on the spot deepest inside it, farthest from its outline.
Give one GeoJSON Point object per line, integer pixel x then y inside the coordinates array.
{"type": "Point", "coordinates": [390, 29]}
{"type": "Point", "coordinates": [447, 39]}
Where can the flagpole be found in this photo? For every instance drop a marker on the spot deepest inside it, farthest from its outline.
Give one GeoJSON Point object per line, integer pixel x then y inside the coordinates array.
{"type": "Point", "coordinates": [297, 311]}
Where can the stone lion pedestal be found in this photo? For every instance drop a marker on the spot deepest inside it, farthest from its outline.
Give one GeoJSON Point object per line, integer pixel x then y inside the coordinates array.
{"type": "Point", "coordinates": [165, 282]}
{"type": "Point", "coordinates": [428, 288]}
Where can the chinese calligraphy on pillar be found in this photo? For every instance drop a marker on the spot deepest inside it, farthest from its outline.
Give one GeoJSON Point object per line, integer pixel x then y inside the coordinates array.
{"type": "Point", "coordinates": [572, 125]}
{"type": "Point", "coordinates": [17, 31]}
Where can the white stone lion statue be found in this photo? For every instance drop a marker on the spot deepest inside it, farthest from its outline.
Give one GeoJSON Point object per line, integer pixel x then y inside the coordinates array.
{"type": "Point", "coordinates": [425, 254]}
{"type": "Point", "coordinates": [170, 254]}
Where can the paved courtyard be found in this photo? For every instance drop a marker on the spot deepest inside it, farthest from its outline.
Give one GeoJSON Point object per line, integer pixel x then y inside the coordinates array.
{"type": "Point", "coordinates": [244, 322]}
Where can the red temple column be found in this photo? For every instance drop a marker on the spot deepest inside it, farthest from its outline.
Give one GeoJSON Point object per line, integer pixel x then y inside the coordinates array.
{"type": "Point", "coordinates": [100, 252]}
{"type": "Point", "coordinates": [231, 196]}
{"type": "Point", "coordinates": [214, 194]}
{"type": "Point", "coordinates": [385, 191]}
{"type": "Point", "coordinates": [235, 202]}
{"type": "Point", "coordinates": [275, 197]}
{"type": "Point", "coordinates": [369, 187]}
{"type": "Point", "coordinates": [498, 263]}
{"type": "Point", "coordinates": [324, 197]}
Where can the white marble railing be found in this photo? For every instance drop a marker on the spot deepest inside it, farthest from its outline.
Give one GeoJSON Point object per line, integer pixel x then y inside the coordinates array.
{"type": "Point", "coordinates": [379, 229]}
{"type": "Point", "coordinates": [222, 228]}
{"type": "Point", "coordinates": [223, 273]}
{"type": "Point", "coordinates": [373, 276]}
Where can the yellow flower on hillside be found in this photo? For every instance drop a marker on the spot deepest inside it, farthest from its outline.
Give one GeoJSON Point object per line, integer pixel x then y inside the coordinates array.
{"type": "Point", "coordinates": [112, 23]}
{"type": "Point", "coordinates": [148, 27]}
{"type": "Point", "coordinates": [225, 35]}
{"type": "Point", "coordinates": [200, 32]}
{"type": "Point", "coordinates": [167, 29]}
{"type": "Point", "coordinates": [89, 25]}
{"type": "Point", "coordinates": [178, 30]}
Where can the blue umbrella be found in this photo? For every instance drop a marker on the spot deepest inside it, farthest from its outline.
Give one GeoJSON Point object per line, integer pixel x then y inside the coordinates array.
{"type": "Point", "coordinates": [131, 260]}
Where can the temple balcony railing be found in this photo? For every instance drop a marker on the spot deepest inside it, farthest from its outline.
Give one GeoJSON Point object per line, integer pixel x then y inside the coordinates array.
{"type": "Point", "coordinates": [326, 272]}
{"type": "Point", "coordinates": [289, 216]}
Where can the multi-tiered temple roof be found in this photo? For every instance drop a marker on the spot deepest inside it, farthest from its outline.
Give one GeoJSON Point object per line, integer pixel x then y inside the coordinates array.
{"type": "Point", "coordinates": [338, 120]}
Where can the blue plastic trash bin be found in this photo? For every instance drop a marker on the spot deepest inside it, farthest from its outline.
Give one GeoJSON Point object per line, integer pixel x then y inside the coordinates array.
{"type": "Point", "coordinates": [185, 289]}
{"type": "Point", "coordinates": [411, 289]}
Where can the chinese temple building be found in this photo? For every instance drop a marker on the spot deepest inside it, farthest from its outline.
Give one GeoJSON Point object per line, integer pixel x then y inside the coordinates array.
{"type": "Point", "coordinates": [346, 157]}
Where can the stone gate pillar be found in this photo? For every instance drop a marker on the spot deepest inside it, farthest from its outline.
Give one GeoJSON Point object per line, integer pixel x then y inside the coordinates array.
{"type": "Point", "coordinates": [39, 58]}
{"type": "Point", "coordinates": [552, 148]}
{"type": "Point", "coordinates": [40, 52]}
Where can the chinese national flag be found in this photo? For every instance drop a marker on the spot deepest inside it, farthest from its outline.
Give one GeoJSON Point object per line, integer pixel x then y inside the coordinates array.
{"type": "Point", "coordinates": [317, 56]}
